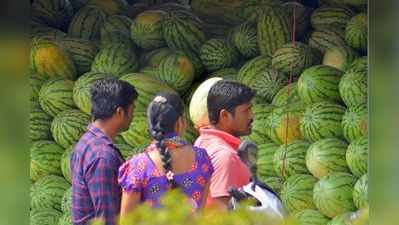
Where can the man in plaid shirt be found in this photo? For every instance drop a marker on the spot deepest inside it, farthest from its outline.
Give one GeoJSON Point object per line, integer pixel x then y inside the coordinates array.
{"type": "Point", "coordinates": [95, 160]}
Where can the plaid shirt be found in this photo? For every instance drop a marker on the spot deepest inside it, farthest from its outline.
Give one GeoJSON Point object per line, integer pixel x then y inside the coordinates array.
{"type": "Point", "coordinates": [95, 191]}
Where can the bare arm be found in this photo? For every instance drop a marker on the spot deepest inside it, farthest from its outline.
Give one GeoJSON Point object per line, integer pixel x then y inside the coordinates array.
{"type": "Point", "coordinates": [129, 201]}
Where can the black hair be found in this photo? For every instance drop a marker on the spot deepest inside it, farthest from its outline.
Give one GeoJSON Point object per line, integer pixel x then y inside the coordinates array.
{"type": "Point", "coordinates": [163, 113]}
{"type": "Point", "coordinates": [227, 95]}
{"type": "Point", "coordinates": [109, 94]}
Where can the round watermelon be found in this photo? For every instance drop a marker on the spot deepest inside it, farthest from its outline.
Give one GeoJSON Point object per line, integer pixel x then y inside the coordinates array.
{"type": "Point", "coordinates": [54, 13]}
{"type": "Point", "coordinates": [357, 156]}
{"type": "Point", "coordinates": [331, 16]}
{"type": "Point", "coordinates": [326, 156]}
{"type": "Point", "coordinates": [35, 83]}
{"type": "Point", "coordinates": [146, 29]}
{"type": "Point", "coordinates": [265, 157]}
{"type": "Point", "coordinates": [137, 134]}
{"type": "Point", "coordinates": [44, 216]}
{"type": "Point", "coordinates": [153, 58]}
{"type": "Point", "coordinates": [356, 32]}
{"type": "Point", "coordinates": [244, 38]}
{"type": "Point", "coordinates": [332, 194]}
{"type": "Point", "coordinates": [66, 164]}
{"type": "Point", "coordinates": [66, 202]}
{"type": "Point", "coordinates": [287, 95]}
{"type": "Point", "coordinates": [353, 86]}
{"type": "Point", "coordinates": [253, 67]}
{"type": "Point", "coordinates": [359, 65]}
{"type": "Point", "coordinates": [360, 192]}
{"type": "Point", "coordinates": [217, 54]}
{"type": "Point", "coordinates": [259, 132]}
{"type": "Point", "coordinates": [310, 217]}
{"type": "Point", "coordinates": [275, 183]}
{"type": "Point", "coordinates": [86, 23]}
{"type": "Point", "coordinates": [290, 159]}
{"type": "Point", "coordinates": [45, 159]}
{"type": "Point", "coordinates": [355, 122]}
{"type": "Point", "coordinates": [39, 124]}
{"type": "Point", "coordinates": [326, 38]}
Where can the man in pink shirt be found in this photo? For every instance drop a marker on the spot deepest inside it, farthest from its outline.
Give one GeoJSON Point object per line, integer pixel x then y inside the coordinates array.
{"type": "Point", "coordinates": [230, 115]}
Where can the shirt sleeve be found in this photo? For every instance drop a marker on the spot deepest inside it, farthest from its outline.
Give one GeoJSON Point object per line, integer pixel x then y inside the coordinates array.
{"type": "Point", "coordinates": [101, 178]}
{"type": "Point", "coordinates": [131, 175]}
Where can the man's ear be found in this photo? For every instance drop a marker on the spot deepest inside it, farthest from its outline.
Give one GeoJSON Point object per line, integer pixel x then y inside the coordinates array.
{"type": "Point", "coordinates": [120, 111]}
{"type": "Point", "coordinates": [224, 114]}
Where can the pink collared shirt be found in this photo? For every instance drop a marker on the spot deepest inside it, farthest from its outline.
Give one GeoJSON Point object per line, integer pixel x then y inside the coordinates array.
{"type": "Point", "coordinates": [229, 170]}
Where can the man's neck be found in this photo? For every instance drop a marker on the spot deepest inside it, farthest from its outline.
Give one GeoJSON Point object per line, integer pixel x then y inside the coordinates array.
{"type": "Point", "coordinates": [221, 128]}
{"type": "Point", "coordinates": [105, 127]}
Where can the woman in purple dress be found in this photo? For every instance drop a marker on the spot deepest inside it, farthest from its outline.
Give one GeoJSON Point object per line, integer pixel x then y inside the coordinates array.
{"type": "Point", "coordinates": [168, 162]}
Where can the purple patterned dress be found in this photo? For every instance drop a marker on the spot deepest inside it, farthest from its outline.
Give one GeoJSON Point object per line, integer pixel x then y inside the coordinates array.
{"type": "Point", "coordinates": [140, 174]}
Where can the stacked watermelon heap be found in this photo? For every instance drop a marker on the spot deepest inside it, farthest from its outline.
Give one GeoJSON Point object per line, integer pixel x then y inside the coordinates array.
{"type": "Point", "coordinates": [311, 102]}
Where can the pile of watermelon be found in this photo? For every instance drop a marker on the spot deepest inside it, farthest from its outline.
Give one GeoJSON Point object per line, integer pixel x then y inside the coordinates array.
{"type": "Point", "coordinates": [310, 79]}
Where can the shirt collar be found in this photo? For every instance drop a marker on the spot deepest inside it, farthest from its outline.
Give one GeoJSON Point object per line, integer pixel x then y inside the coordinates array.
{"type": "Point", "coordinates": [233, 141]}
{"type": "Point", "coordinates": [99, 133]}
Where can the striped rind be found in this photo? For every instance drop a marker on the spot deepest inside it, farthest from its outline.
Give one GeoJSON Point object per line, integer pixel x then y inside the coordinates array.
{"type": "Point", "coordinates": [44, 216]}
{"type": "Point", "coordinates": [353, 86]}
{"type": "Point", "coordinates": [39, 124]}
{"type": "Point", "coordinates": [259, 132]}
{"type": "Point", "coordinates": [265, 157]}
{"type": "Point", "coordinates": [55, 96]}
{"type": "Point", "coordinates": [245, 40]}
{"type": "Point", "coordinates": [137, 134]}
{"type": "Point", "coordinates": [226, 74]}
{"type": "Point", "coordinates": [331, 16]}
{"type": "Point", "coordinates": [286, 95]}
{"type": "Point", "coordinates": [275, 183]}
{"type": "Point", "coordinates": [322, 120]}
{"type": "Point", "coordinates": [332, 194]}
{"type": "Point", "coordinates": [146, 29]}
{"type": "Point", "coordinates": [68, 126]}
{"type": "Point", "coordinates": [356, 32]}
{"type": "Point", "coordinates": [326, 38]}
{"type": "Point", "coordinates": [357, 156]}
{"type": "Point", "coordinates": [297, 192]}
{"type": "Point", "coordinates": [116, 23]}
{"type": "Point", "coordinates": [290, 159]}
{"type": "Point", "coordinates": [86, 23]}
{"type": "Point", "coordinates": [253, 67]}
{"type": "Point", "coordinates": [217, 54]}
{"type": "Point", "coordinates": [327, 156]}
{"type": "Point", "coordinates": [153, 58]}
{"type": "Point", "coordinates": [65, 163]}
{"type": "Point", "coordinates": [66, 202]}
{"type": "Point", "coordinates": [360, 192]}
{"type": "Point", "coordinates": [355, 122]}
{"type": "Point", "coordinates": [55, 13]}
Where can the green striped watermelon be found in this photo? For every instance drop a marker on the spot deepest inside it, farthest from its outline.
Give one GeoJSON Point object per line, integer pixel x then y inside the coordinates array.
{"type": "Point", "coordinates": [287, 95]}
{"type": "Point", "coordinates": [360, 192]}
{"type": "Point", "coordinates": [355, 122]}
{"type": "Point", "coordinates": [265, 157]}
{"type": "Point", "coordinates": [190, 133]}
{"type": "Point", "coordinates": [35, 83]}
{"type": "Point", "coordinates": [245, 40]}
{"type": "Point", "coordinates": [226, 74]}
{"type": "Point", "coordinates": [294, 58]}
{"type": "Point", "coordinates": [65, 219]}
{"type": "Point", "coordinates": [326, 38]}
{"type": "Point", "coordinates": [340, 57]}
{"type": "Point", "coordinates": [110, 7]}
{"type": "Point", "coordinates": [137, 134]}
{"type": "Point", "coordinates": [65, 163]}
{"type": "Point", "coordinates": [153, 58]}
{"type": "Point", "coordinates": [275, 183]}
{"type": "Point", "coordinates": [327, 156]}
{"type": "Point", "coordinates": [81, 90]}
{"type": "Point", "coordinates": [290, 159]}
{"type": "Point", "coordinates": [322, 120]}
{"type": "Point", "coordinates": [86, 23]}
{"type": "Point", "coordinates": [183, 32]}
{"type": "Point", "coordinates": [309, 217]}
{"type": "Point", "coordinates": [353, 86]}
{"type": "Point", "coordinates": [297, 192]}
{"type": "Point", "coordinates": [331, 16]}
{"type": "Point", "coordinates": [217, 54]}
{"type": "Point", "coordinates": [68, 126]}
{"type": "Point", "coordinates": [274, 30]}
{"type": "Point", "coordinates": [319, 83]}
{"type": "Point", "coordinates": [119, 140]}
{"type": "Point", "coordinates": [332, 195]}
{"type": "Point", "coordinates": [48, 60]}
{"type": "Point", "coordinates": [117, 37]}
{"type": "Point", "coordinates": [359, 65]}
{"type": "Point", "coordinates": [116, 23]}
{"type": "Point", "coordinates": [39, 124]}
{"type": "Point", "coordinates": [45, 159]}
{"type": "Point", "coordinates": [177, 71]}
{"type": "Point", "coordinates": [47, 192]}
{"type": "Point", "coordinates": [252, 10]}
{"type": "Point", "coordinates": [356, 32]}
{"type": "Point", "coordinates": [42, 31]}
{"type": "Point", "coordinates": [55, 13]}
{"type": "Point", "coordinates": [146, 29]}
{"type": "Point", "coordinates": [115, 59]}
{"type": "Point", "coordinates": [44, 217]}
{"type": "Point", "coordinates": [82, 53]}
{"type": "Point", "coordinates": [253, 67]}
{"type": "Point", "coordinates": [259, 132]}
{"type": "Point", "coordinates": [340, 219]}
{"type": "Point", "coordinates": [55, 96]}
{"type": "Point", "coordinates": [66, 202]}
{"type": "Point", "coordinates": [357, 156]}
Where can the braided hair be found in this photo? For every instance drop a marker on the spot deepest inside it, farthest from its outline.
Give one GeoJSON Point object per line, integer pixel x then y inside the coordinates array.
{"type": "Point", "coordinates": [163, 113]}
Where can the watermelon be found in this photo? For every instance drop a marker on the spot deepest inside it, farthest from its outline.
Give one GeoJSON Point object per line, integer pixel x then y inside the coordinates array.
{"type": "Point", "coordinates": [332, 194]}
{"type": "Point", "coordinates": [218, 11]}
{"type": "Point", "coordinates": [274, 30]}
{"type": "Point", "coordinates": [294, 58]}
{"type": "Point", "coordinates": [297, 192]}
{"type": "Point", "coordinates": [286, 95]}
{"type": "Point", "coordinates": [44, 216]}
{"type": "Point", "coordinates": [244, 38]}
{"type": "Point", "coordinates": [68, 126]}
{"type": "Point", "coordinates": [265, 157]}
{"type": "Point", "coordinates": [65, 219]}
{"type": "Point", "coordinates": [289, 159]}
{"type": "Point", "coordinates": [254, 67]}
{"type": "Point", "coordinates": [183, 32]}
{"type": "Point", "coordinates": [55, 96]}
{"type": "Point", "coordinates": [359, 65]}
{"type": "Point", "coordinates": [326, 38]}
{"type": "Point", "coordinates": [259, 132]}
{"type": "Point", "coordinates": [357, 156]}
{"type": "Point", "coordinates": [45, 159]}
{"type": "Point", "coordinates": [217, 54]}
{"type": "Point", "coordinates": [119, 140]}
{"type": "Point", "coordinates": [356, 32]}
{"type": "Point", "coordinates": [127, 151]}
{"type": "Point", "coordinates": [319, 83]}
{"type": "Point", "coordinates": [65, 163]}
{"type": "Point", "coordinates": [47, 192]}
{"type": "Point", "coordinates": [42, 31]}
{"type": "Point", "coordinates": [110, 7]}
{"type": "Point", "coordinates": [39, 124]}
{"type": "Point", "coordinates": [177, 71]}
{"type": "Point", "coordinates": [153, 58]}
{"type": "Point", "coordinates": [82, 52]}
{"type": "Point", "coordinates": [116, 23]}
{"type": "Point", "coordinates": [66, 202]}
{"type": "Point", "coordinates": [309, 217]}
{"type": "Point", "coordinates": [226, 74]}
{"type": "Point", "coordinates": [360, 196]}
{"type": "Point", "coordinates": [275, 183]}
{"type": "Point", "coordinates": [322, 120]}
{"type": "Point", "coordinates": [35, 83]}
{"type": "Point", "coordinates": [137, 134]}
{"type": "Point", "coordinates": [199, 104]}
{"type": "Point", "coordinates": [115, 59]}
{"type": "Point", "coordinates": [340, 219]}
{"type": "Point", "coordinates": [81, 90]}
{"type": "Point", "coordinates": [326, 156]}
{"type": "Point", "coordinates": [86, 23]}
{"type": "Point", "coordinates": [355, 122]}
{"type": "Point", "coordinates": [48, 60]}
{"type": "Point", "coordinates": [353, 86]}
{"type": "Point", "coordinates": [113, 37]}
{"type": "Point", "coordinates": [54, 13]}
{"type": "Point", "coordinates": [325, 17]}
{"type": "Point", "coordinates": [146, 29]}
{"type": "Point", "coordinates": [340, 57]}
